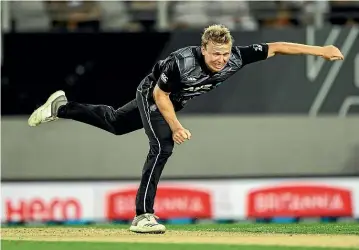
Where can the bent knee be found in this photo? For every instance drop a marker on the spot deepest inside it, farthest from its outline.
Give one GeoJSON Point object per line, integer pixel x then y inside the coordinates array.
{"type": "Point", "coordinates": [166, 150]}
{"type": "Point", "coordinates": [163, 149]}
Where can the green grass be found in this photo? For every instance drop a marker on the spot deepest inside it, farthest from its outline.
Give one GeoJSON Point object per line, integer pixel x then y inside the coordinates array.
{"type": "Point", "coordinates": [291, 229]}
{"type": "Point", "coordinates": [301, 228]}
{"type": "Point", "coordinates": [28, 245]}
{"type": "Point", "coordinates": [330, 228]}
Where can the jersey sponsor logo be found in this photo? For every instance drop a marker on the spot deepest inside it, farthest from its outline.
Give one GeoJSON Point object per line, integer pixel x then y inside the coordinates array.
{"type": "Point", "coordinates": [202, 87]}
{"type": "Point", "coordinates": [164, 78]}
{"type": "Point", "coordinates": [300, 200]}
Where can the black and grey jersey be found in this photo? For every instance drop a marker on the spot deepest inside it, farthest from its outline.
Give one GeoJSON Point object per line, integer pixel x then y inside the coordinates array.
{"type": "Point", "coordinates": [184, 73]}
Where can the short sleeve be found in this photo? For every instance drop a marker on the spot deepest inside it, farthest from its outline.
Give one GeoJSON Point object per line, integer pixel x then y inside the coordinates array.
{"type": "Point", "coordinates": [252, 53]}
{"type": "Point", "coordinates": [169, 77]}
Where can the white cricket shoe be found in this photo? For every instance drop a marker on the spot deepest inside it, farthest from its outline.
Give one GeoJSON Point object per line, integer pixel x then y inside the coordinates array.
{"type": "Point", "coordinates": [48, 111]}
{"type": "Point", "coordinates": [146, 223]}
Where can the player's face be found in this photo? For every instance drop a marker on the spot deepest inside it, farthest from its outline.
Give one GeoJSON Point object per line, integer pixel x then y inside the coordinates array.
{"type": "Point", "coordinates": [216, 55]}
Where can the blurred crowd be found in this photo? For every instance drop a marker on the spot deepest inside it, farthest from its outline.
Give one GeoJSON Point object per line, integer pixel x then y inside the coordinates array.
{"type": "Point", "coordinates": [136, 16]}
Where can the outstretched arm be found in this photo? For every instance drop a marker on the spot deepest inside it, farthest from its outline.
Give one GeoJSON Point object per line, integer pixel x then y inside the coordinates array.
{"type": "Point", "coordinates": [329, 52]}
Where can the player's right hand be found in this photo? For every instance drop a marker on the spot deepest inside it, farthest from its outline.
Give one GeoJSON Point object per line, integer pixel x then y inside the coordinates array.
{"type": "Point", "coordinates": [332, 53]}
{"type": "Point", "coordinates": [180, 135]}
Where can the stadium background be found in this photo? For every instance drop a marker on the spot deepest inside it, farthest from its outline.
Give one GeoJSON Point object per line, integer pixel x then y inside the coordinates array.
{"type": "Point", "coordinates": [277, 142]}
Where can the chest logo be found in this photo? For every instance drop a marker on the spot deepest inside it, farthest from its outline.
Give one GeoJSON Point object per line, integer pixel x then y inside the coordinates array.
{"type": "Point", "coordinates": [202, 87]}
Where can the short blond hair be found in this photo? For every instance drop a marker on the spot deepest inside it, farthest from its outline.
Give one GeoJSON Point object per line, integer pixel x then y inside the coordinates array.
{"type": "Point", "coordinates": [216, 33]}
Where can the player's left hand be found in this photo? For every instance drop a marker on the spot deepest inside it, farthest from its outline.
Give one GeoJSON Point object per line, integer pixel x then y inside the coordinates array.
{"type": "Point", "coordinates": [332, 53]}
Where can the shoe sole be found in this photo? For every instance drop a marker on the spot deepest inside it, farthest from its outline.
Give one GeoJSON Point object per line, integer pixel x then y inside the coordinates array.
{"type": "Point", "coordinates": [45, 105]}
{"type": "Point", "coordinates": [136, 229]}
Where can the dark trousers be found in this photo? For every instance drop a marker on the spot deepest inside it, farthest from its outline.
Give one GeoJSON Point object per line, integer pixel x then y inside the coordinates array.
{"type": "Point", "coordinates": [137, 114]}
